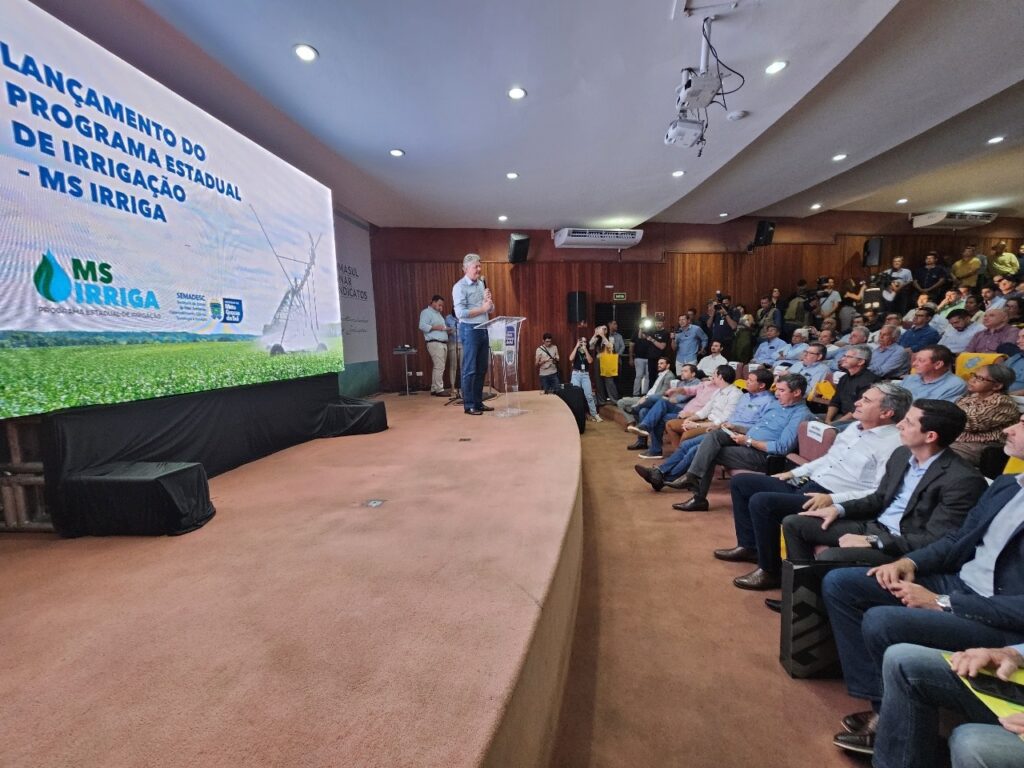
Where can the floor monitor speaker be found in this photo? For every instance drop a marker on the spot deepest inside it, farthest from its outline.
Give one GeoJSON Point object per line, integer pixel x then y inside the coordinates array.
{"type": "Point", "coordinates": [518, 248]}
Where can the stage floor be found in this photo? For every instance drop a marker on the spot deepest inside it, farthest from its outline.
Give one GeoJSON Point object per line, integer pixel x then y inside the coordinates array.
{"type": "Point", "coordinates": [306, 624]}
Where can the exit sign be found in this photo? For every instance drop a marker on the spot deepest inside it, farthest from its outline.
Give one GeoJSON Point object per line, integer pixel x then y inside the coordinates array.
{"type": "Point", "coordinates": [618, 297]}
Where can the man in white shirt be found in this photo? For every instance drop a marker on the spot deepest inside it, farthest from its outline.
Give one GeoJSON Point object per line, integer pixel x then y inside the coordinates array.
{"type": "Point", "coordinates": [852, 468]}
{"type": "Point", "coordinates": [960, 332]}
{"type": "Point", "coordinates": [710, 362]}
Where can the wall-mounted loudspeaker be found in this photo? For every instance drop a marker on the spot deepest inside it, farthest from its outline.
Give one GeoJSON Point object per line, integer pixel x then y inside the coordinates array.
{"type": "Point", "coordinates": [765, 233]}
{"type": "Point", "coordinates": [518, 247]}
{"type": "Point", "coordinates": [576, 306]}
{"type": "Point", "coordinates": [873, 252]}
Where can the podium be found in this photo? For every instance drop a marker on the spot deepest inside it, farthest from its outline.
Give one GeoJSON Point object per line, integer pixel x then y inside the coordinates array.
{"type": "Point", "coordinates": [503, 341]}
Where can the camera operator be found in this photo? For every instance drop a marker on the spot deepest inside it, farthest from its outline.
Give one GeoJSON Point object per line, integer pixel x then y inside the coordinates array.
{"type": "Point", "coordinates": [828, 297]}
{"type": "Point", "coordinates": [658, 341]}
{"type": "Point", "coordinates": [899, 273]}
{"type": "Point", "coordinates": [722, 321]}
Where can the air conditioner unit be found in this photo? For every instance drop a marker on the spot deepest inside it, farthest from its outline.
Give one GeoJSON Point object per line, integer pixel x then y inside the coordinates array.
{"type": "Point", "coordinates": [951, 219]}
{"type": "Point", "coordinates": [597, 238]}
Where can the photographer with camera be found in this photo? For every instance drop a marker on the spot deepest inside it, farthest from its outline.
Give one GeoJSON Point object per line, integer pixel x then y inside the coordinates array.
{"type": "Point", "coordinates": [581, 363]}
{"type": "Point", "coordinates": [658, 341]}
{"type": "Point", "coordinates": [721, 321]}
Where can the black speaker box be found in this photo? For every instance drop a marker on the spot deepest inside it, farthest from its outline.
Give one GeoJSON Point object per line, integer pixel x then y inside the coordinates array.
{"type": "Point", "coordinates": [518, 248]}
{"type": "Point", "coordinates": [576, 306]}
{"type": "Point", "coordinates": [873, 252]}
{"type": "Point", "coordinates": [765, 233]}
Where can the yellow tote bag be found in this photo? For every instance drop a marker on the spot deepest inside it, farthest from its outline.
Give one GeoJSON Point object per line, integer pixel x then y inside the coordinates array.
{"type": "Point", "coordinates": [609, 363]}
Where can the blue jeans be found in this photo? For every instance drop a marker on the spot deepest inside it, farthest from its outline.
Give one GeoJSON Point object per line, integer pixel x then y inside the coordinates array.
{"type": "Point", "coordinates": [550, 382]}
{"type": "Point", "coordinates": [654, 420]}
{"type": "Point", "coordinates": [475, 359]}
{"type": "Point", "coordinates": [677, 464]}
{"type": "Point", "coordinates": [917, 684]}
{"type": "Point", "coordinates": [581, 379]}
{"type": "Point", "coordinates": [866, 620]}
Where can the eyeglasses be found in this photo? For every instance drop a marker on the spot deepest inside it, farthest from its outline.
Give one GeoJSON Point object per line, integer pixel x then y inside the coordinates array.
{"type": "Point", "coordinates": [983, 378]}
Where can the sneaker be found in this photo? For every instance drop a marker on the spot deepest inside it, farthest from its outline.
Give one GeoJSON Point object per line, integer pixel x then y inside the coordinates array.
{"type": "Point", "coordinates": [637, 430]}
{"type": "Point", "coordinates": [650, 456]}
{"type": "Point", "coordinates": [596, 418]}
{"type": "Point", "coordinates": [639, 445]}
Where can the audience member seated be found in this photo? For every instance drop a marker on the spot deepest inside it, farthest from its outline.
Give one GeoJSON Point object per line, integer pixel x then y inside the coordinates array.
{"type": "Point", "coordinates": [991, 298]}
{"type": "Point", "coordinates": [1014, 312]}
{"type": "Point", "coordinates": [960, 332]}
{"type": "Point", "coordinates": [827, 338]}
{"type": "Point", "coordinates": [921, 333]}
{"type": "Point", "coordinates": [950, 301]}
{"type": "Point", "coordinates": [793, 351]}
{"type": "Point", "coordinates": [1015, 363]}
{"type": "Point", "coordinates": [811, 366]}
{"type": "Point", "coordinates": [687, 342]}
{"type": "Point", "coordinates": [925, 493]}
{"type": "Point", "coordinates": [858, 323]}
{"type": "Point", "coordinates": [935, 379]}
{"type": "Point", "coordinates": [716, 411]}
{"type": "Point", "coordinates": [892, 319]}
{"type": "Point", "coordinates": [918, 683]}
{"type": "Point", "coordinates": [889, 360]}
{"type": "Point", "coordinates": [769, 350]}
{"type": "Point", "coordinates": [989, 411]}
{"type": "Point", "coordinates": [692, 391]}
{"type": "Point", "coordinates": [636, 406]}
{"type": "Point", "coordinates": [853, 467]}
{"type": "Point", "coordinates": [962, 591]}
{"type": "Point", "coordinates": [851, 386]}
{"type": "Point", "coordinates": [775, 433]}
{"type": "Point", "coordinates": [712, 360]}
{"type": "Point", "coordinates": [751, 407]}
{"type": "Point", "coordinates": [996, 332]}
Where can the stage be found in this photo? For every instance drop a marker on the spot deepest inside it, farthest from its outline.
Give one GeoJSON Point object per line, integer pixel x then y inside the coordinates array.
{"type": "Point", "coordinates": [307, 624]}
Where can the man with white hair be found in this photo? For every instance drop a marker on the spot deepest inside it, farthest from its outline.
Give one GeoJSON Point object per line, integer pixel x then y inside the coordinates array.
{"type": "Point", "coordinates": [794, 351]}
{"type": "Point", "coordinates": [473, 304]}
{"type": "Point", "coordinates": [889, 360]}
{"type": "Point", "coordinates": [997, 331]}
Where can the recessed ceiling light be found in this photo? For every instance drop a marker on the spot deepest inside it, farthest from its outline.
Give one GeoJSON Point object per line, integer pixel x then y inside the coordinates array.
{"type": "Point", "coordinates": [511, 175]}
{"type": "Point", "coordinates": [306, 52]}
{"type": "Point", "coordinates": [397, 152]}
{"type": "Point", "coordinates": [517, 93]}
{"type": "Point", "coordinates": [722, 215]}
{"type": "Point", "coordinates": [902, 201]}
{"type": "Point", "coordinates": [996, 139]}
{"type": "Point", "coordinates": [838, 158]}
{"type": "Point", "coordinates": [776, 66]}
{"type": "Point", "coordinates": [816, 206]}
{"type": "Point", "coordinates": [677, 174]}
{"type": "Point", "coordinates": [503, 218]}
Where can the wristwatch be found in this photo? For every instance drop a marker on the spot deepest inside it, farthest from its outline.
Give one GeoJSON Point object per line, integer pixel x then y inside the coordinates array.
{"type": "Point", "coordinates": [749, 441]}
{"type": "Point", "coordinates": [873, 541]}
{"type": "Point", "coordinates": [944, 603]}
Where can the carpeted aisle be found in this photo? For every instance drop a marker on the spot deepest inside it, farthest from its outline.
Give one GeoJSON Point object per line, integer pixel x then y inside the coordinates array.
{"type": "Point", "coordinates": [671, 664]}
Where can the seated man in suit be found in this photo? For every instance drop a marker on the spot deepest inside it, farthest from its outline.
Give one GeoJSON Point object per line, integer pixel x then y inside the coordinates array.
{"type": "Point", "coordinates": [853, 467]}
{"type": "Point", "coordinates": [918, 683]}
{"type": "Point", "coordinates": [925, 493]}
{"type": "Point", "coordinates": [775, 434]}
{"type": "Point", "coordinates": [965, 590]}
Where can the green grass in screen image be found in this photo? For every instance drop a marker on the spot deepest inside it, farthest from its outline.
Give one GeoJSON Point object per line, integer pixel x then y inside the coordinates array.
{"type": "Point", "coordinates": [38, 380]}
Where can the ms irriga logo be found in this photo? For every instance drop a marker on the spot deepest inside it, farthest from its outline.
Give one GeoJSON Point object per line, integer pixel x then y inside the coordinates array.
{"type": "Point", "coordinates": [90, 282]}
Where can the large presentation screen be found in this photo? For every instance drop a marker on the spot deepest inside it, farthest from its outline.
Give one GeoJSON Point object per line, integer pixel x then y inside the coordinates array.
{"type": "Point", "coordinates": [146, 249]}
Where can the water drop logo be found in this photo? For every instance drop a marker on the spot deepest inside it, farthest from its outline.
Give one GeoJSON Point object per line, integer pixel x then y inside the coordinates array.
{"type": "Point", "coordinates": [51, 280]}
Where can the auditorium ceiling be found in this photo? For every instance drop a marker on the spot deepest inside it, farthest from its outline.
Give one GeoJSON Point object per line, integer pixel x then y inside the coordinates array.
{"type": "Point", "coordinates": [909, 90]}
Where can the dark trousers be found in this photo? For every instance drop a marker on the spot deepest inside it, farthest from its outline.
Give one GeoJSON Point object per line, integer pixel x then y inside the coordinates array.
{"type": "Point", "coordinates": [803, 534]}
{"type": "Point", "coordinates": [759, 504]}
{"type": "Point", "coordinates": [607, 390]}
{"type": "Point", "coordinates": [718, 448]}
{"type": "Point", "coordinates": [866, 619]}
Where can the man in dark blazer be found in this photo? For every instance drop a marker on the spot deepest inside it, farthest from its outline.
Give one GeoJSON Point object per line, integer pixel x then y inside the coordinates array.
{"type": "Point", "coordinates": [925, 493]}
{"type": "Point", "coordinates": [965, 590]}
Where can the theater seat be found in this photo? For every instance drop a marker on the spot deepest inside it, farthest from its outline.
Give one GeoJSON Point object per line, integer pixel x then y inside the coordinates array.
{"type": "Point", "coordinates": [968, 362]}
{"type": "Point", "coordinates": [813, 440]}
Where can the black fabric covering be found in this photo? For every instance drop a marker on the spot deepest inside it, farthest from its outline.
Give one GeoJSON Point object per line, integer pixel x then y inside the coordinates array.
{"type": "Point", "coordinates": [577, 402]}
{"type": "Point", "coordinates": [220, 429]}
{"type": "Point", "coordinates": [136, 499]}
{"type": "Point", "coordinates": [807, 648]}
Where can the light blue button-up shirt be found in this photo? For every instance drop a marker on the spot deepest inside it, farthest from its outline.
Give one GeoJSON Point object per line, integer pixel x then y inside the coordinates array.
{"type": "Point", "coordinates": [466, 295]}
{"type": "Point", "coordinates": [778, 426]}
{"type": "Point", "coordinates": [430, 317]}
{"type": "Point", "coordinates": [893, 361]}
{"type": "Point", "coordinates": [768, 351]}
{"type": "Point", "coordinates": [689, 343]}
{"type": "Point", "coordinates": [1016, 364]}
{"type": "Point", "coordinates": [948, 386]}
{"type": "Point", "coordinates": [750, 408]}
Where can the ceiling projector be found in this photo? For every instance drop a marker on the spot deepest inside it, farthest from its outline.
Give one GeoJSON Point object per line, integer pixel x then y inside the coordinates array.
{"type": "Point", "coordinates": [684, 132]}
{"type": "Point", "coordinates": [697, 90]}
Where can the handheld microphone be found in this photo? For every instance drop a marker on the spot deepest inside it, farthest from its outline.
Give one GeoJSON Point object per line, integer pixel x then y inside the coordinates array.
{"type": "Point", "coordinates": [483, 282]}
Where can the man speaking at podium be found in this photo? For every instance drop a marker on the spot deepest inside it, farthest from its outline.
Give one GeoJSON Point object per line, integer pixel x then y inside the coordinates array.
{"type": "Point", "coordinates": [473, 304]}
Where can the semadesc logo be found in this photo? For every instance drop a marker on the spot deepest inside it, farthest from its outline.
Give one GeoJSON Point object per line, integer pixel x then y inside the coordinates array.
{"type": "Point", "coordinates": [89, 283]}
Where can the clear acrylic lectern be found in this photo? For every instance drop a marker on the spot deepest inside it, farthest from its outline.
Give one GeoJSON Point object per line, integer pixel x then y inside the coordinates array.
{"type": "Point", "coordinates": [503, 340]}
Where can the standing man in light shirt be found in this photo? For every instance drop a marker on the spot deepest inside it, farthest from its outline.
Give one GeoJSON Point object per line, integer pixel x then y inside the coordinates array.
{"type": "Point", "coordinates": [687, 342]}
{"type": "Point", "coordinates": [853, 467]}
{"type": "Point", "coordinates": [473, 305]}
{"type": "Point", "coordinates": [435, 332]}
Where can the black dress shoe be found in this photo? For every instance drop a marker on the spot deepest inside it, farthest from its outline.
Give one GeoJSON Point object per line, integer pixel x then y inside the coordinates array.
{"type": "Point", "coordinates": [689, 482]}
{"type": "Point", "coordinates": [639, 445]}
{"type": "Point", "coordinates": [696, 504]}
{"type": "Point", "coordinates": [486, 408]}
{"type": "Point", "coordinates": [862, 742]}
{"type": "Point", "coordinates": [773, 605]}
{"type": "Point", "coordinates": [651, 475]}
{"type": "Point", "coordinates": [858, 721]}
{"type": "Point", "coordinates": [473, 412]}
{"type": "Point", "coordinates": [737, 555]}
{"type": "Point", "coordinates": [758, 579]}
